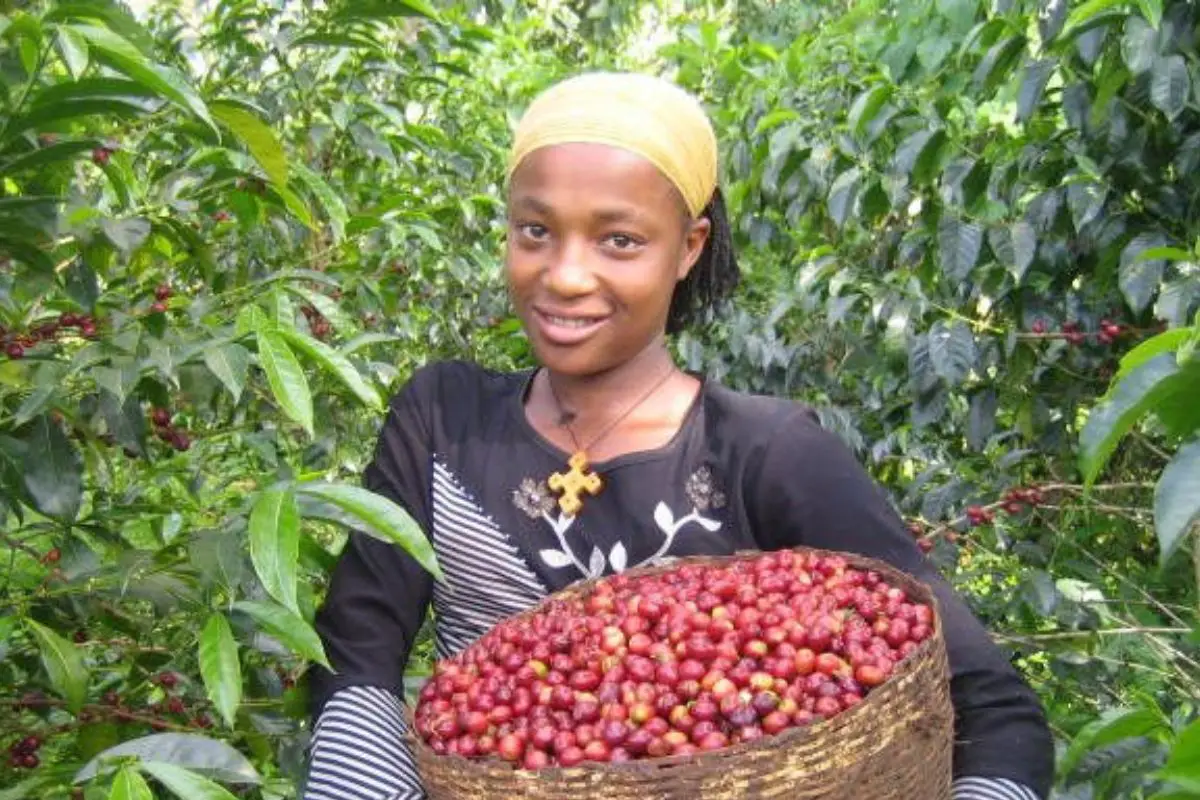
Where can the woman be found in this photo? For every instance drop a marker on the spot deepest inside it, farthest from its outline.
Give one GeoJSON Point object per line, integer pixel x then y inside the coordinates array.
{"type": "Point", "coordinates": [617, 236]}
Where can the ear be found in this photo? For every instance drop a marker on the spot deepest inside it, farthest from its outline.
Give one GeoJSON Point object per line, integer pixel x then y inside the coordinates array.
{"type": "Point", "coordinates": [695, 237]}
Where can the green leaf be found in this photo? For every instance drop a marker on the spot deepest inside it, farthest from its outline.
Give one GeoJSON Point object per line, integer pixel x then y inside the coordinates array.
{"type": "Point", "coordinates": [1177, 499]}
{"type": "Point", "coordinates": [1170, 86]}
{"type": "Point", "coordinates": [275, 544]}
{"type": "Point", "coordinates": [295, 205]}
{"type": "Point", "coordinates": [337, 365]}
{"type": "Point", "coordinates": [287, 627]}
{"type": "Point", "coordinates": [999, 59]}
{"type": "Point", "coordinates": [917, 155]}
{"type": "Point", "coordinates": [130, 785]}
{"type": "Point", "coordinates": [1089, 10]}
{"type": "Point", "coordinates": [1086, 201]}
{"type": "Point", "coordinates": [74, 51]}
{"type": "Point", "coordinates": [126, 234]}
{"type": "Point", "coordinates": [286, 378]}
{"type": "Point", "coordinates": [366, 340]}
{"type": "Point", "coordinates": [209, 757]}
{"type": "Point", "coordinates": [53, 470]}
{"type": "Point", "coordinates": [774, 120]}
{"type": "Point", "coordinates": [1164, 254]}
{"type": "Point", "coordinates": [1112, 727]}
{"type": "Point", "coordinates": [127, 59]}
{"type": "Point", "coordinates": [258, 137]}
{"type": "Point", "coordinates": [843, 195]}
{"type": "Point", "coordinates": [1183, 764]}
{"type": "Point", "coordinates": [184, 784]}
{"type": "Point", "coordinates": [38, 159]}
{"type": "Point", "coordinates": [251, 319]}
{"type": "Point", "coordinates": [335, 209]}
{"type": "Point", "coordinates": [1015, 247]}
{"type": "Point", "coordinates": [220, 667]}
{"type": "Point", "coordinates": [378, 517]}
{"type": "Point", "coordinates": [328, 307]}
{"type": "Point", "coordinates": [383, 9]}
{"type": "Point", "coordinates": [1139, 45]}
{"type": "Point", "coordinates": [1152, 10]}
{"type": "Point", "coordinates": [866, 106]}
{"type": "Point", "coordinates": [1128, 400]}
{"type": "Point", "coordinates": [952, 351]}
{"type": "Point", "coordinates": [64, 664]}
{"type": "Point", "coordinates": [228, 363]}
{"type": "Point", "coordinates": [34, 404]}
{"type": "Point", "coordinates": [959, 243]}
{"type": "Point", "coordinates": [1033, 87]}
{"type": "Point", "coordinates": [1167, 341]}
{"type": "Point", "coordinates": [1139, 277]}
{"type": "Point", "coordinates": [1039, 591]}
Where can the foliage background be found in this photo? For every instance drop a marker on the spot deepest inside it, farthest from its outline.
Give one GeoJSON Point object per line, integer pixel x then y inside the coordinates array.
{"type": "Point", "coordinates": [956, 219]}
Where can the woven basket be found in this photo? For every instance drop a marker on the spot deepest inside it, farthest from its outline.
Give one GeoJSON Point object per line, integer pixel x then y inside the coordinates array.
{"type": "Point", "coordinates": [894, 745]}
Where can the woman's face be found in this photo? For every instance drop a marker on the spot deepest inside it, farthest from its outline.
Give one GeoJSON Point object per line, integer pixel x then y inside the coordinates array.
{"type": "Point", "coordinates": [597, 240]}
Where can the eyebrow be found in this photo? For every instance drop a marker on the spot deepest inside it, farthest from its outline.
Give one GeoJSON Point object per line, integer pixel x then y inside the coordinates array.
{"type": "Point", "coordinates": [610, 215]}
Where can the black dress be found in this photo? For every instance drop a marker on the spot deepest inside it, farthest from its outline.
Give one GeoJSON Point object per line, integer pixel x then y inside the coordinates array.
{"type": "Point", "coordinates": [743, 472]}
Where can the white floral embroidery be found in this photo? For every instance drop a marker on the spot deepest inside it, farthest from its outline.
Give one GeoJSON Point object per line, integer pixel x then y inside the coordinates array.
{"type": "Point", "coordinates": [664, 518]}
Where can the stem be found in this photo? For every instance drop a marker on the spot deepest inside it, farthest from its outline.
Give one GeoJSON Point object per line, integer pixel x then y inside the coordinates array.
{"type": "Point", "coordinates": [1196, 559]}
{"type": "Point", "coordinates": [1046, 637]}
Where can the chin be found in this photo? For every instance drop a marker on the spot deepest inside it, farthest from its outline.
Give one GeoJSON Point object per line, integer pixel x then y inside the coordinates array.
{"type": "Point", "coordinates": [582, 364]}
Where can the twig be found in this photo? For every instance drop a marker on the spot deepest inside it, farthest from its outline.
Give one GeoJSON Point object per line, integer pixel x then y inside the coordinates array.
{"type": "Point", "coordinates": [1044, 637]}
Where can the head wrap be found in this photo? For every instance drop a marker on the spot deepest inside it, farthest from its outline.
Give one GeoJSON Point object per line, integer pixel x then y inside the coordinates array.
{"type": "Point", "coordinates": [643, 114]}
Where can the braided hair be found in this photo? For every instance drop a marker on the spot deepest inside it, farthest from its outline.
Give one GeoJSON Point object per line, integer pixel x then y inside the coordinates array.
{"type": "Point", "coordinates": [714, 276]}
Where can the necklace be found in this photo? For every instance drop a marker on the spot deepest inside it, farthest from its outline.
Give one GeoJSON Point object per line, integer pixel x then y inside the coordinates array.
{"type": "Point", "coordinates": [578, 479]}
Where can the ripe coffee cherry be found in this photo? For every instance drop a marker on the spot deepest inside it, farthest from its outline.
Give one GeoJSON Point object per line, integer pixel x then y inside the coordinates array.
{"type": "Point", "coordinates": [1038, 327]}
{"type": "Point", "coordinates": [162, 292]}
{"type": "Point", "coordinates": [14, 351]}
{"type": "Point", "coordinates": [680, 662]}
{"type": "Point", "coordinates": [52, 556]}
{"type": "Point", "coordinates": [167, 680]}
{"type": "Point", "coordinates": [158, 307]}
{"type": "Point", "coordinates": [160, 417]}
{"type": "Point", "coordinates": [100, 156]}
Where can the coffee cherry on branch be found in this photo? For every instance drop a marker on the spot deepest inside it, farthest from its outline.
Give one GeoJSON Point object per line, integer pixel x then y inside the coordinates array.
{"type": "Point", "coordinates": [162, 292]}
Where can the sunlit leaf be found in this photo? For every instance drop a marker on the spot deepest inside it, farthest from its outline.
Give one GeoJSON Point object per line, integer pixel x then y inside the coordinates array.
{"type": "Point", "coordinates": [203, 755]}
{"type": "Point", "coordinates": [286, 378]}
{"type": "Point", "coordinates": [1177, 499]}
{"type": "Point", "coordinates": [64, 664]}
{"type": "Point", "coordinates": [287, 627]}
{"type": "Point", "coordinates": [220, 667]}
{"type": "Point", "coordinates": [378, 517]}
{"type": "Point", "coordinates": [258, 137]}
{"type": "Point", "coordinates": [275, 543]}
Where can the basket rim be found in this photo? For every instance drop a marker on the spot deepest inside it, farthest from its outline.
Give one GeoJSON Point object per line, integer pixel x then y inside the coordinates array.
{"type": "Point", "coordinates": [918, 659]}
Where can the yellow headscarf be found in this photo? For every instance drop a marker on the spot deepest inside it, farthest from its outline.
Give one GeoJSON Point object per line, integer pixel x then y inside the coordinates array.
{"type": "Point", "coordinates": [643, 114]}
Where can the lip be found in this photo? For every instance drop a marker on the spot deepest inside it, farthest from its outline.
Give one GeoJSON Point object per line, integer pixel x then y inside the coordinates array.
{"type": "Point", "coordinates": [563, 335]}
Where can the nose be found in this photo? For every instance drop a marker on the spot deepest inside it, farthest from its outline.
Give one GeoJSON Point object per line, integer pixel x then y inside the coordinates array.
{"type": "Point", "coordinates": [567, 273]}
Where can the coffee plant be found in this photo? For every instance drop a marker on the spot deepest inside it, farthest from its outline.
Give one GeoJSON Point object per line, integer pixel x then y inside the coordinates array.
{"type": "Point", "coordinates": [229, 230]}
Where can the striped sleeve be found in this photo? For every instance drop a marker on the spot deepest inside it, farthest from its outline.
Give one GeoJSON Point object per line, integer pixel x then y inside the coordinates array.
{"type": "Point", "coordinates": [358, 750]}
{"type": "Point", "coordinates": [969, 788]}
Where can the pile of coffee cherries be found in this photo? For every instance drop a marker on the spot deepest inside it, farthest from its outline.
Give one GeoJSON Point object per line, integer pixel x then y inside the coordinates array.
{"type": "Point", "coordinates": [692, 659]}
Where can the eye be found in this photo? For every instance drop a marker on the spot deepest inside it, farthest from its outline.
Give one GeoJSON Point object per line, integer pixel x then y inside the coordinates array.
{"type": "Point", "coordinates": [533, 231]}
{"type": "Point", "coordinates": [623, 242]}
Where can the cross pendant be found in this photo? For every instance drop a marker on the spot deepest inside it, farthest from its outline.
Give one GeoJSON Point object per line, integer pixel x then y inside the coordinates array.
{"type": "Point", "coordinates": [574, 483]}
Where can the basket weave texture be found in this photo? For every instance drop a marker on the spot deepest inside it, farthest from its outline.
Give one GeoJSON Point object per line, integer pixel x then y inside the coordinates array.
{"type": "Point", "coordinates": [894, 745]}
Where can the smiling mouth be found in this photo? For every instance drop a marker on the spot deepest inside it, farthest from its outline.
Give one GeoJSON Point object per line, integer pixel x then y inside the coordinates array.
{"type": "Point", "coordinates": [562, 330]}
{"type": "Point", "coordinates": [571, 322]}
